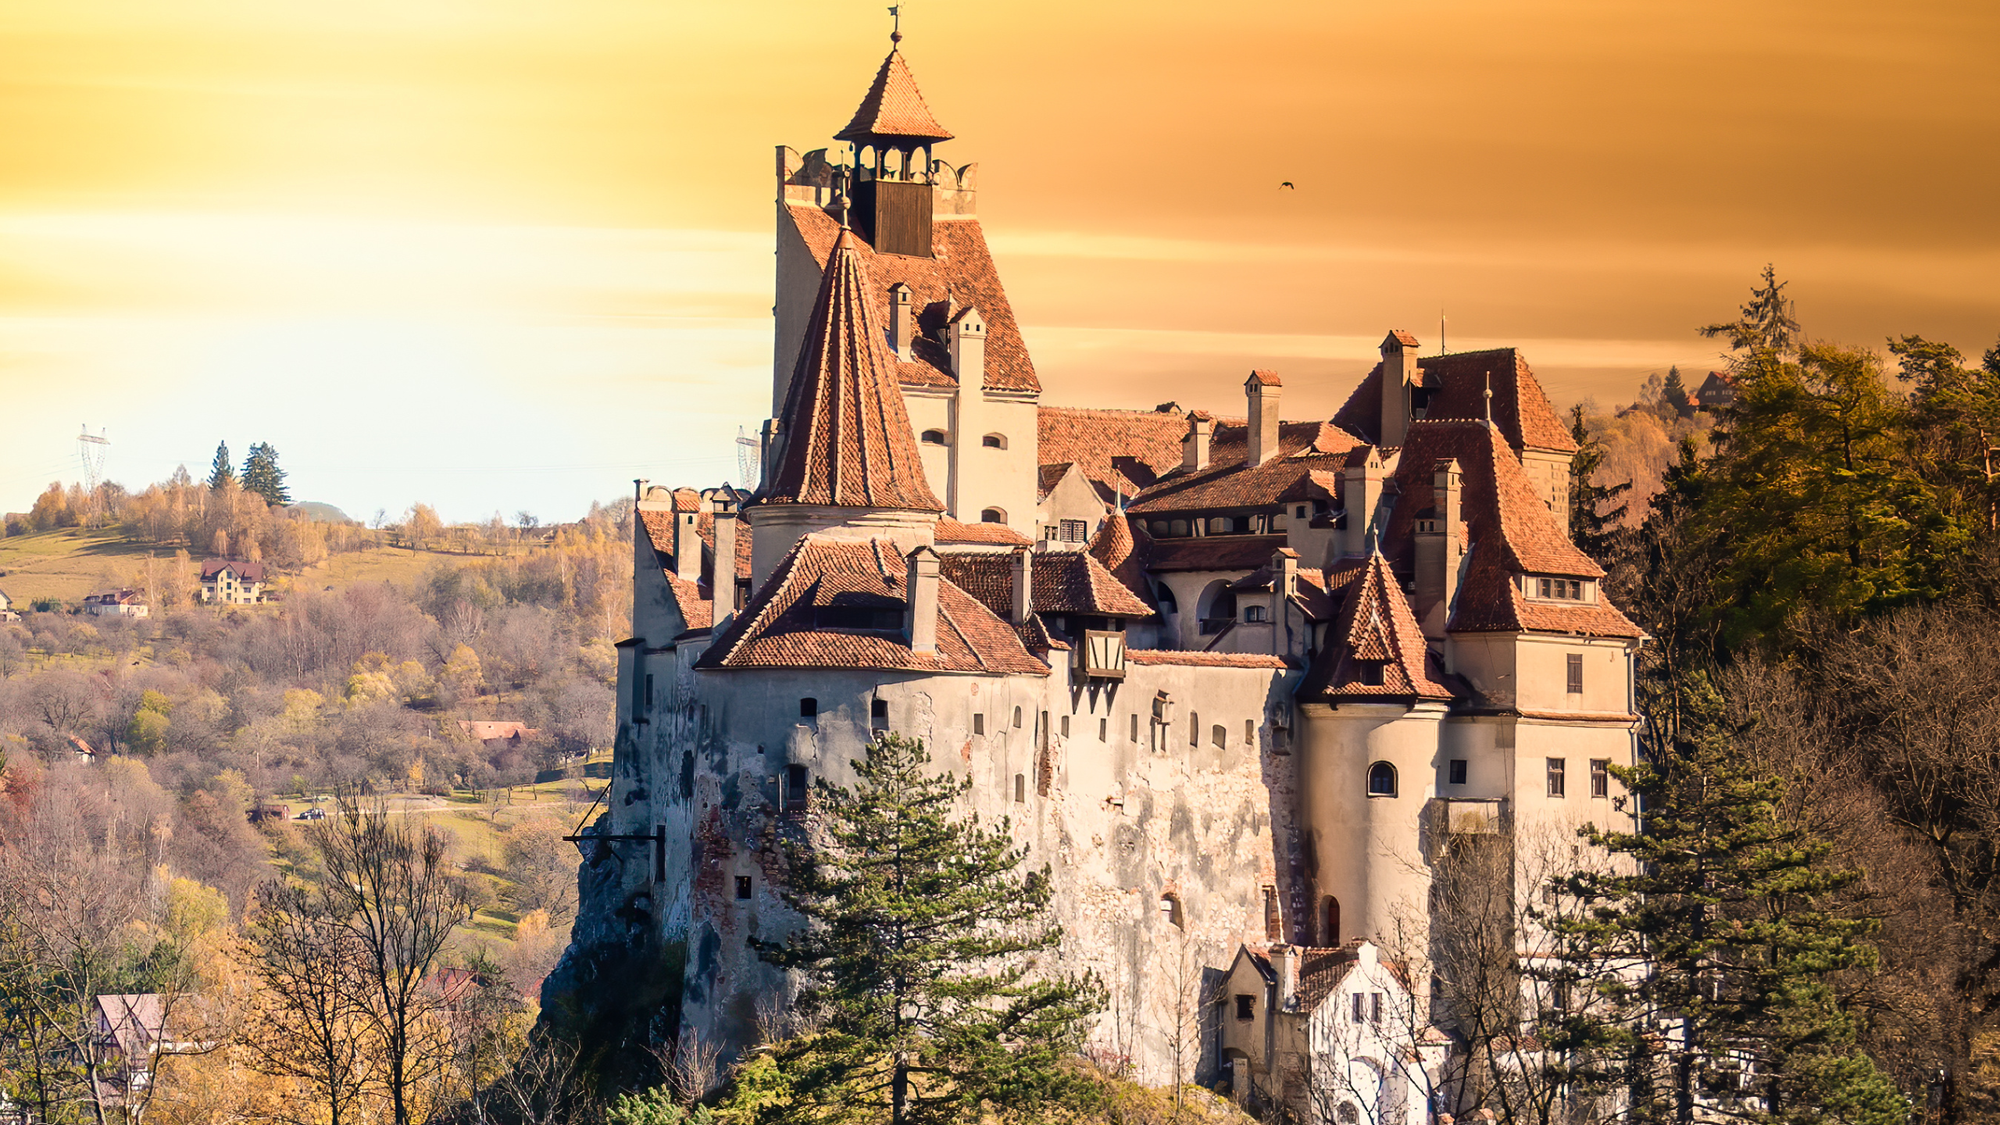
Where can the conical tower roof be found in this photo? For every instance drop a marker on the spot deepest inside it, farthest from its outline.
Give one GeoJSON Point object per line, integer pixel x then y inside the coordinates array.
{"type": "Point", "coordinates": [847, 439]}
{"type": "Point", "coordinates": [893, 108]}
{"type": "Point", "coordinates": [1376, 628]}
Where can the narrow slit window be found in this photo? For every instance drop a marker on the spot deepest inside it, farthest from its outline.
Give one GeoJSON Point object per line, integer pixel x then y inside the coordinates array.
{"type": "Point", "coordinates": [1104, 729]}
{"type": "Point", "coordinates": [1249, 732]}
{"type": "Point", "coordinates": [1135, 728]}
{"type": "Point", "coordinates": [1575, 661]}
{"type": "Point", "coordinates": [742, 887]}
{"type": "Point", "coordinates": [1065, 726]}
{"type": "Point", "coordinates": [1194, 728]}
{"type": "Point", "coordinates": [979, 722]}
{"type": "Point", "coordinates": [1017, 718]}
{"type": "Point", "coordinates": [1020, 788]}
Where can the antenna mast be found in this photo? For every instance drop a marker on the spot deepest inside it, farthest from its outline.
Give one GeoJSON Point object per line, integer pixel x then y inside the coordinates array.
{"type": "Point", "coordinates": [91, 448]}
{"type": "Point", "coordinates": [747, 458]}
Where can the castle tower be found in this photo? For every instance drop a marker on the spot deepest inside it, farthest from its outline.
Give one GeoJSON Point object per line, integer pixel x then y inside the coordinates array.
{"type": "Point", "coordinates": [844, 459]}
{"type": "Point", "coordinates": [892, 133]}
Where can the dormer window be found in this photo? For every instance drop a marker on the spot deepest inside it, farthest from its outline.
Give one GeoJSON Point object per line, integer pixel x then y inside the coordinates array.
{"type": "Point", "coordinates": [1560, 589]}
{"type": "Point", "coordinates": [1368, 673]}
{"type": "Point", "coordinates": [934, 437]}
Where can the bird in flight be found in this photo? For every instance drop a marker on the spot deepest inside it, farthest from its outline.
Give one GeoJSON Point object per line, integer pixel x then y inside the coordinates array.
{"type": "Point", "coordinates": [1287, 184]}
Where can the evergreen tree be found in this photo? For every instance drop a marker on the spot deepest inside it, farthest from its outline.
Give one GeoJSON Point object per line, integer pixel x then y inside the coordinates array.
{"type": "Point", "coordinates": [926, 956]}
{"type": "Point", "coordinates": [262, 475]}
{"type": "Point", "coordinates": [1595, 527]}
{"type": "Point", "coordinates": [1674, 394]}
{"type": "Point", "coordinates": [221, 472]}
{"type": "Point", "coordinates": [1718, 948]}
{"type": "Point", "coordinates": [1768, 321]}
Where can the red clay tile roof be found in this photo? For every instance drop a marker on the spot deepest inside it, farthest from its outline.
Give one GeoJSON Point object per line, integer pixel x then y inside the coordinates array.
{"type": "Point", "coordinates": [1376, 625]}
{"type": "Point", "coordinates": [1520, 408]}
{"type": "Point", "coordinates": [1304, 448]}
{"type": "Point", "coordinates": [893, 107]}
{"type": "Point", "coordinates": [1320, 973]}
{"type": "Point", "coordinates": [659, 527]}
{"type": "Point", "coordinates": [847, 438]}
{"type": "Point", "coordinates": [1121, 551]}
{"type": "Point", "coordinates": [780, 627]}
{"type": "Point", "coordinates": [952, 531]}
{"type": "Point", "coordinates": [1126, 450]}
{"type": "Point", "coordinates": [697, 611]}
{"type": "Point", "coordinates": [1401, 337]}
{"type": "Point", "coordinates": [705, 527]}
{"type": "Point", "coordinates": [1509, 530]}
{"type": "Point", "coordinates": [1064, 582]}
{"type": "Point", "coordinates": [1264, 378]}
{"type": "Point", "coordinates": [1212, 552]}
{"type": "Point", "coordinates": [1310, 593]}
{"type": "Point", "coordinates": [960, 272]}
{"type": "Point", "coordinates": [1202, 659]}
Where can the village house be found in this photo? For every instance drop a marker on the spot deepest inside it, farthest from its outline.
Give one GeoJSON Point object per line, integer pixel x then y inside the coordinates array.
{"type": "Point", "coordinates": [7, 610]}
{"type": "Point", "coordinates": [231, 582]}
{"type": "Point", "coordinates": [123, 602]}
{"type": "Point", "coordinates": [1243, 679]}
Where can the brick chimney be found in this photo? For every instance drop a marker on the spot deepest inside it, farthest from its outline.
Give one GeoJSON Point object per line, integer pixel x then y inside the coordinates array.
{"type": "Point", "coordinates": [1438, 549]}
{"type": "Point", "coordinates": [1361, 492]}
{"type": "Point", "coordinates": [722, 576]}
{"type": "Point", "coordinates": [968, 348]}
{"type": "Point", "coordinates": [902, 321]}
{"type": "Point", "coordinates": [1262, 391]}
{"type": "Point", "coordinates": [920, 591]}
{"type": "Point", "coordinates": [1194, 447]}
{"type": "Point", "coordinates": [1284, 576]}
{"type": "Point", "coordinates": [1399, 376]}
{"type": "Point", "coordinates": [1024, 585]}
{"type": "Point", "coordinates": [687, 546]}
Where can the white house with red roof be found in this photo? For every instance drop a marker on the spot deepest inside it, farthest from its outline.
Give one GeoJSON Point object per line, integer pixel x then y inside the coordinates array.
{"type": "Point", "coordinates": [1256, 672]}
{"type": "Point", "coordinates": [231, 582]}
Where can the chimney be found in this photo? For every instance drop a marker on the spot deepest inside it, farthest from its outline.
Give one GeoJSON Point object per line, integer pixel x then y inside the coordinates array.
{"type": "Point", "coordinates": [687, 545]}
{"type": "Point", "coordinates": [968, 348]}
{"type": "Point", "coordinates": [1399, 375]}
{"type": "Point", "coordinates": [920, 592]}
{"type": "Point", "coordinates": [769, 449]}
{"type": "Point", "coordinates": [1285, 963]}
{"type": "Point", "coordinates": [1262, 390]}
{"type": "Point", "coordinates": [722, 576]}
{"type": "Point", "coordinates": [902, 321]}
{"type": "Point", "coordinates": [1194, 447]}
{"type": "Point", "coordinates": [1438, 550]}
{"type": "Point", "coordinates": [1284, 576]}
{"type": "Point", "coordinates": [1024, 584]}
{"type": "Point", "coordinates": [1361, 492]}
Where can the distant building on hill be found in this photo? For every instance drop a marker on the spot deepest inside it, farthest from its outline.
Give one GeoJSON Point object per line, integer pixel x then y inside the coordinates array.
{"type": "Point", "coordinates": [122, 602]}
{"type": "Point", "coordinates": [504, 730]}
{"type": "Point", "coordinates": [231, 582]}
{"type": "Point", "coordinates": [7, 608]}
{"type": "Point", "coordinates": [1715, 392]}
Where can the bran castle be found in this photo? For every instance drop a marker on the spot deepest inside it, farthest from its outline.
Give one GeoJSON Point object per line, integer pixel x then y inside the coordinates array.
{"type": "Point", "coordinates": [1238, 680]}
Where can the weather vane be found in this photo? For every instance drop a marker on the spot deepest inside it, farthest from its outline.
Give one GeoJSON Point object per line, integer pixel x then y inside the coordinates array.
{"type": "Point", "coordinates": [896, 27]}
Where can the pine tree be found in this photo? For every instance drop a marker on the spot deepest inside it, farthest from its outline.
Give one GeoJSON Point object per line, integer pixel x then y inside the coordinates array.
{"type": "Point", "coordinates": [1768, 321]}
{"type": "Point", "coordinates": [1718, 943]}
{"type": "Point", "coordinates": [221, 472]}
{"type": "Point", "coordinates": [925, 956]}
{"type": "Point", "coordinates": [1596, 529]}
{"type": "Point", "coordinates": [262, 475]}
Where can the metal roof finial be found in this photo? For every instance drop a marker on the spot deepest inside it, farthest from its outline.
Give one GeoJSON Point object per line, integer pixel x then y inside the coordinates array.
{"type": "Point", "coordinates": [896, 27]}
{"type": "Point", "coordinates": [1489, 400]}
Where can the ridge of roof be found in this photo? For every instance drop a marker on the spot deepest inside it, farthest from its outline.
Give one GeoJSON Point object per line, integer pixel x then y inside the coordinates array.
{"type": "Point", "coordinates": [1117, 548]}
{"type": "Point", "coordinates": [1520, 407]}
{"type": "Point", "coordinates": [893, 107]}
{"type": "Point", "coordinates": [1123, 451]}
{"type": "Point", "coordinates": [847, 438]}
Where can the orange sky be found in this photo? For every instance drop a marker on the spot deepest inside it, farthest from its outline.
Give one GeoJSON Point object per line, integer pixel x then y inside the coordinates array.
{"type": "Point", "coordinates": [504, 254]}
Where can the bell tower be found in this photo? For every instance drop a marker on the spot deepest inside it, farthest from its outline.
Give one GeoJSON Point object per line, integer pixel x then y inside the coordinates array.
{"type": "Point", "coordinates": [893, 133]}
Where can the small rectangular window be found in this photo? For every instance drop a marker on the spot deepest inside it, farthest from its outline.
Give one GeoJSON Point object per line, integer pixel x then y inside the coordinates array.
{"type": "Point", "coordinates": [1575, 660]}
{"type": "Point", "coordinates": [1557, 767]}
{"type": "Point", "coordinates": [1219, 736]}
{"type": "Point", "coordinates": [1194, 728]}
{"type": "Point", "coordinates": [742, 887]}
{"type": "Point", "coordinates": [979, 722]}
{"type": "Point", "coordinates": [1249, 732]}
{"type": "Point", "coordinates": [1360, 1007]}
{"type": "Point", "coordinates": [1020, 788]}
{"type": "Point", "coordinates": [1374, 1007]}
{"type": "Point", "coordinates": [795, 788]}
{"type": "Point", "coordinates": [1458, 771]}
{"type": "Point", "coordinates": [1104, 729]}
{"type": "Point", "coordinates": [878, 715]}
{"type": "Point", "coordinates": [1065, 726]}
{"type": "Point", "coordinates": [1370, 672]}
{"type": "Point", "coordinates": [1135, 728]}
{"type": "Point", "coordinates": [1274, 928]}
{"type": "Point", "coordinates": [1600, 777]}
{"type": "Point", "coordinates": [1246, 1007]}
{"type": "Point", "coordinates": [808, 708]}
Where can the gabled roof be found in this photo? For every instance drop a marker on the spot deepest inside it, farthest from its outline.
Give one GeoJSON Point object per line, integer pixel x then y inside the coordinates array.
{"type": "Point", "coordinates": [1306, 451]}
{"type": "Point", "coordinates": [1121, 451]}
{"type": "Point", "coordinates": [847, 439]}
{"type": "Point", "coordinates": [247, 571]}
{"type": "Point", "coordinates": [1376, 626]}
{"type": "Point", "coordinates": [1458, 380]}
{"type": "Point", "coordinates": [780, 628]}
{"type": "Point", "coordinates": [1310, 594]}
{"type": "Point", "coordinates": [959, 272]}
{"type": "Point", "coordinates": [1212, 552]}
{"type": "Point", "coordinates": [1509, 530]}
{"type": "Point", "coordinates": [893, 108]}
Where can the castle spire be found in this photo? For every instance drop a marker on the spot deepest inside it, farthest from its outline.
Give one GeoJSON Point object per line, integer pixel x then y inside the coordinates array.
{"type": "Point", "coordinates": [893, 114]}
{"type": "Point", "coordinates": [847, 439]}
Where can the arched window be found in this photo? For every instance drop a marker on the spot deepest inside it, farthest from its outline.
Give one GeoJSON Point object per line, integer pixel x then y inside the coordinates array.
{"type": "Point", "coordinates": [1219, 735]}
{"type": "Point", "coordinates": [1170, 910]}
{"type": "Point", "coordinates": [934, 437]}
{"type": "Point", "coordinates": [993, 515]}
{"type": "Point", "coordinates": [1221, 525]}
{"type": "Point", "coordinates": [1381, 780]}
{"type": "Point", "coordinates": [1177, 527]}
{"type": "Point", "coordinates": [994, 441]}
{"type": "Point", "coordinates": [1017, 716]}
{"type": "Point", "coordinates": [1168, 604]}
{"type": "Point", "coordinates": [1329, 934]}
